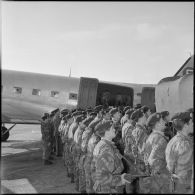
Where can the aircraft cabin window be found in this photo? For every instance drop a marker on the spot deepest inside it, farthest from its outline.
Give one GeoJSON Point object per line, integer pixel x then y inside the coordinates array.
{"type": "Point", "coordinates": [72, 96]}
{"type": "Point", "coordinates": [54, 93]}
{"type": "Point", "coordinates": [36, 92]}
{"type": "Point", "coordinates": [17, 90]}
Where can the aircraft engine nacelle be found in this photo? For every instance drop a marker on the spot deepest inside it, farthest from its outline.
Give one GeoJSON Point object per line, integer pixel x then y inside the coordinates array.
{"type": "Point", "coordinates": [174, 94]}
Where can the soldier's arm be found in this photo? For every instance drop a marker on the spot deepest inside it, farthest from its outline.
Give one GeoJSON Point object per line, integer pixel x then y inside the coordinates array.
{"type": "Point", "coordinates": [104, 168]}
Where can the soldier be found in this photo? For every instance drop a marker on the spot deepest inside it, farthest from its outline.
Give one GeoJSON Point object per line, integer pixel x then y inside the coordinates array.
{"type": "Point", "coordinates": [76, 151]}
{"type": "Point", "coordinates": [169, 131]}
{"type": "Point", "coordinates": [56, 122]}
{"type": "Point", "coordinates": [154, 157]}
{"type": "Point", "coordinates": [179, 153]}
{"type": "Point", "coordinates": [67, 142]}
{"type": "Point", "coordinates": [108, 164]}
{"type": "Point", "coordinates": [125, 117]}
{"type": "Point", "coordinates": [72, 129]}
{"type": "Point", "coordinates": [128, 124]}
{"type": "Point", "coordinates": [82, 178]}
{"type": "Point", "coordinates": [47, 139]}
{"type": "Point", "coordinates": [115, 115]}
{"type": "Point", "coordinates": [91, 142]}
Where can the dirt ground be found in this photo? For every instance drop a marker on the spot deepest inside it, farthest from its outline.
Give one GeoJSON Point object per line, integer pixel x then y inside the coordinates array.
{"type": "Point", "coordinates": [22, 169]}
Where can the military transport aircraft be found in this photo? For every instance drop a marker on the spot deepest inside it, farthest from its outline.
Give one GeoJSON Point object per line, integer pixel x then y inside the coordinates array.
{"type": "Point", "coordinates": [27, 96]}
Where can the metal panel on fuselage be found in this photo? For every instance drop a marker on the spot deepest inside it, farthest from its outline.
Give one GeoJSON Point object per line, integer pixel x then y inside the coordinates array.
{"type": "Point", "coordinates": [27, 106]}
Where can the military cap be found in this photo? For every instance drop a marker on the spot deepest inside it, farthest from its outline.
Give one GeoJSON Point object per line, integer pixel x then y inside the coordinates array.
{"type": "Point", "coordinates": [164, 114]}
{"type": "Point", "coordinates": [98, 108]}
{"type": "Point", "coordinates": [153, 118]}
{"type": "Point", "coordinates": [182, 116]}
{"type": "Point", "coordinates": [68, 116]}
{"type": "Point", "coordinates": [137, 114]}
{"type": "Point", "coordinates": [102, 127]}
{"type": "Point", "coordinates": [93, 114]}
{"type": "Point", "coordinates": [129, 112]}
{"type": "Point", "coordinates": [88, 120]}
{"type": "Point", "coordinates": [113, 111]}
{"type": "Point", "coordinates": [145, 109]}
{"type": "Point", "coordinates": [126, 108]}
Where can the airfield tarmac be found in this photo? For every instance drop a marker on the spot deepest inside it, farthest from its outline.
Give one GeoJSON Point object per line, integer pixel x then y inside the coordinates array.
{"type": "Point", "coordinates": [22, 169]}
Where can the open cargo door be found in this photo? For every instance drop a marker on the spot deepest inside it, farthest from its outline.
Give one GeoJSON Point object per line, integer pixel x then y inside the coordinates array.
{"type": "Point", "coordinates": [87, 92]}
{"type": "Point", "coordinates": [148, 97]}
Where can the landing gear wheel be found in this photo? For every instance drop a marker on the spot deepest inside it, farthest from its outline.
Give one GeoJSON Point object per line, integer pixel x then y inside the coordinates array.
{"type": "Point", "coordinates": [4, 136]}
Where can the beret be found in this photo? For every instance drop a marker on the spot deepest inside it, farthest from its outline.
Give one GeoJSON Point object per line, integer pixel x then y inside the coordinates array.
{"type": "Point", "coordinates": [68, 116]}
{"type": "Point", "coordinates": [93, 114]}
{"type": "Point", "coordinates": [164, 114]}
{"type": "Point", "coordinates": [88, 120]}
{"type": "Point", "coordinates": [153, 118]}
{"type": "Point", "coordinates": [98, 108]}
{"type": "Point", "coordinates": [129, 112]}
{"type": "Point", "coordinates": [46, 114]}
{"type": "Point", "coordinates": [52, 114]}
{"type": "Point", "coordinates": [56, 110]}
{"type": "Point", "coordinates": [102, 127]}
{"type": "Point", "coordinates": [182, 116]}
{"type": "Point", "coordinates": [113, 111]}
{"type": "Point", "coordinates": [137, 106]}
{"type": "Point", "coordinates": [89, 110]}
{"type": "Point", "coordinates": [145, 109]}
{"type": "Point", "coordinates": [64, 111]}
{"type": "Point", "coordinates": [126, 108]}
{"type": "Point", "coordinates": [76, 113]}
{"type": "Point", "coordinates": [137, 114]}
{"type": "Point", "coordinates": [79, 118]}
{"type": "Point", "coordinates": [93, 124]}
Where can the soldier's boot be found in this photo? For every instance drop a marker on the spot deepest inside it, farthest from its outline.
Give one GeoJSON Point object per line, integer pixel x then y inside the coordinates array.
{"type": "Point", "coordinates": [72, 178]}
{"type": "Point", "coordinates": [47, 162]}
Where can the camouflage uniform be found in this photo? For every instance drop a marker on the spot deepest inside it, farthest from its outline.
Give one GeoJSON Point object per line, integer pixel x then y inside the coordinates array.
{"type": "Point", "coordinates": [94, 139]}
{"type": "Point", "coordinates": [46, 138]}
{"type": "Point", "coordinates": [58, 143]}
{"type": "Point", "coordinates": [179, 157]}
{"type": "Point", "coordinates": [71, 163]}
{"type": "Point", "coordinates": [154, 155]}
{"type": "Point", "coordinates": [108, 167]}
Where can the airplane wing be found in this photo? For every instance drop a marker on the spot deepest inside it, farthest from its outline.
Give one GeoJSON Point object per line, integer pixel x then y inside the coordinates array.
{"type": "Point", "coordinates": [22, 112]}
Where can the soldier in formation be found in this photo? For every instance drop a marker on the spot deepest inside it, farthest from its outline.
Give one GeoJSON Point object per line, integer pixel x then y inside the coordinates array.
{"type": "Point", "coordinates": [115, 150]}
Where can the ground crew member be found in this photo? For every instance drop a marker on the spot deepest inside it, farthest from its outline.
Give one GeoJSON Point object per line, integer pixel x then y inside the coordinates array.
{"type": "Point", "coordinates": [179, 153]}
{"type": "Point", "coordinates": [108, 164]}
{"type": "Point", "coordinates": [154, 157]}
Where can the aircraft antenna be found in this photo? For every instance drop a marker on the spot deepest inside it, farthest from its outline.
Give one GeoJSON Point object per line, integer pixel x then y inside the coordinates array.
{"type": "Point", "coordinates": [70, 72]}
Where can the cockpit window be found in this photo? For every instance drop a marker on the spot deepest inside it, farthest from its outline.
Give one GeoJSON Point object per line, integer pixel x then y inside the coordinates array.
{"type": "Point", "coordinates": [36, 92]}
{"type": "Point", "coordinates": [17, 90]}
{"type": "Point", "coordinates": [54, 93]}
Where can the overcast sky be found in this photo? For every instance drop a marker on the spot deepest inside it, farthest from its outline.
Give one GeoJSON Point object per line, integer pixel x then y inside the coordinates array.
{"type": "Point", "coordinates": [133, 42]}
